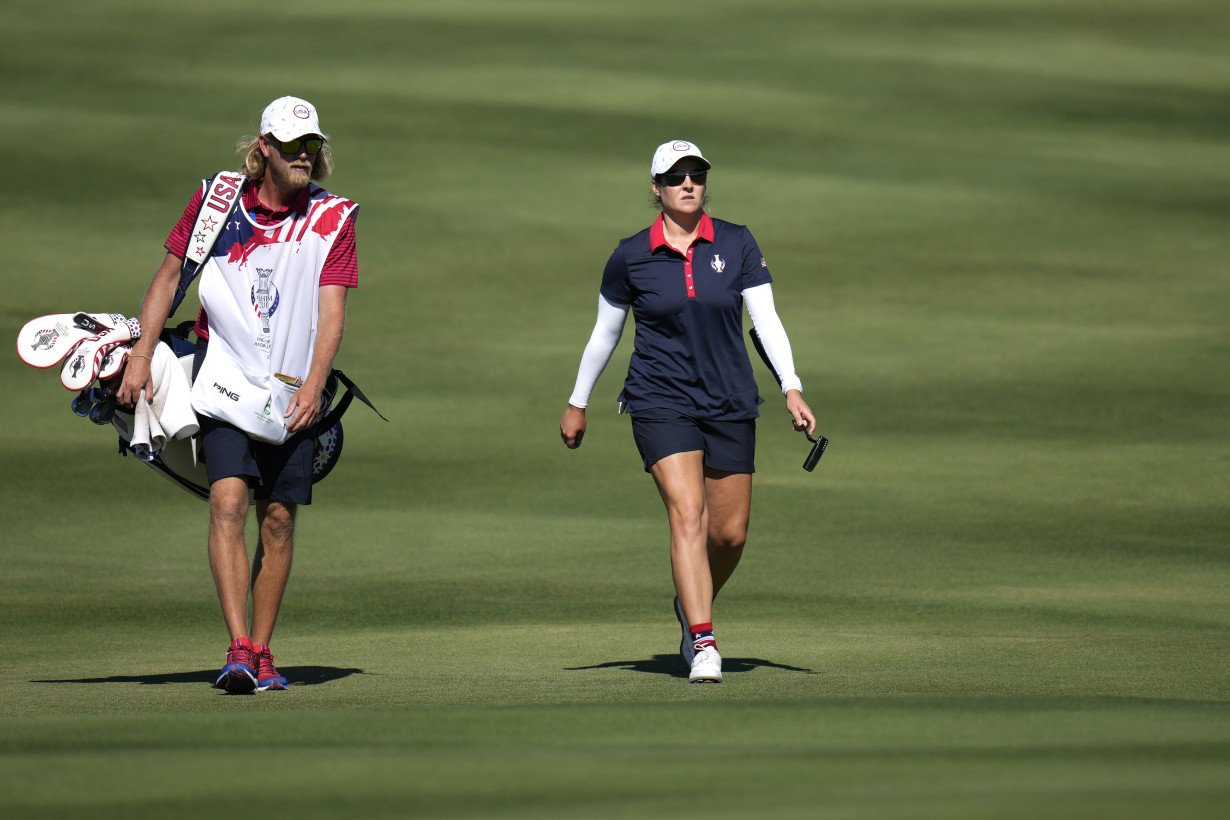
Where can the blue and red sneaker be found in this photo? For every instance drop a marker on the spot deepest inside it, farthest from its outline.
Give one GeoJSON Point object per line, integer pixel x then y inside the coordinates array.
{"type": "Point", "coordinates": [268, 678]}
{"type": "Point", "coordinates": [239, 675]}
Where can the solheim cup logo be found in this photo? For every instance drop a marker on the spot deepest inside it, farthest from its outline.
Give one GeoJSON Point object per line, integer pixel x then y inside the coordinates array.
{"type": "Point", "coordinates": [45, 339]}
{"type": "Point", "coordinates": [76, 365]}
{"type": "Point", "coordinates": [265, 296]}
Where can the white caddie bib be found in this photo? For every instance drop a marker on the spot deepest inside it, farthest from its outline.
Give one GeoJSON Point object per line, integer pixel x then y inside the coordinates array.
{"type": "Point", "coordinates": [260, 286]}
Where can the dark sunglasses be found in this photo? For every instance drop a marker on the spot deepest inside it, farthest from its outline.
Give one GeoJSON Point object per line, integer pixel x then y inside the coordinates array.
{"type": "Point", "coordinates": [675, 180]}
{"type": "Point", "coordinates": [295, 147]}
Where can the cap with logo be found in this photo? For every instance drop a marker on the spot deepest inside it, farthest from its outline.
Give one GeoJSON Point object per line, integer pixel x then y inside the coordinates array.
{"type": "Point", "coordinates": [288, 118]}
{"type": "Point", "coordinates": [669, 153]}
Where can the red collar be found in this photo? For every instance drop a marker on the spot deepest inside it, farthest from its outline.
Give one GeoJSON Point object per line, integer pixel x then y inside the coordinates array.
{"type": "Point", "coordinates": [252, 202]}
{"type": "Point", "coordinates": [657, 235]}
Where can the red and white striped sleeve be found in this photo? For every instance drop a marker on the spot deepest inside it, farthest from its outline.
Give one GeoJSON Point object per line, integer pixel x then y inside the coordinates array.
{"type": "Point", "coordinates": [342, 264]}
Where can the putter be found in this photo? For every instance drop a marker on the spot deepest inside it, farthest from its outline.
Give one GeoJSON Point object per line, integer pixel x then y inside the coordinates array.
{"type": "Point", "coordinates": [817, 450]}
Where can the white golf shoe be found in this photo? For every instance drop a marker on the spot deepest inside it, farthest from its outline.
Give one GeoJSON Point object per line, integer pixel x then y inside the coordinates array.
{"type": "Point", "coordinates": [706, 666]}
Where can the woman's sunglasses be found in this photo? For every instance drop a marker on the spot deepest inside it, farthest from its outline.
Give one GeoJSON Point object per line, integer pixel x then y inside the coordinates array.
{"type": "Point", "coordinates": [675, 180]}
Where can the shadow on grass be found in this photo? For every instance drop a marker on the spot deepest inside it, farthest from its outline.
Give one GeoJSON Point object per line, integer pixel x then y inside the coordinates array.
{"type": "Point", "coordinates": [296, 675]}
{"type": "Point", "coordinates": [673, 665]}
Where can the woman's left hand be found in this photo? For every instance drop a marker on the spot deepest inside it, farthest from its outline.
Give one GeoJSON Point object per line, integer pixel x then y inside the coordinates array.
{"type": "Point", "coordinates": [802, 417]}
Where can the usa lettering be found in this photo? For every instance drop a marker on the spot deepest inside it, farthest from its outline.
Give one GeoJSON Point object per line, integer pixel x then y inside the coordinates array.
{"type": "Point", "coordinates": [223, 195]}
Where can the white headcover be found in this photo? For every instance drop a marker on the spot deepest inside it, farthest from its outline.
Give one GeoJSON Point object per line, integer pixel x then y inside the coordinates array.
{"type": "Point", "coordinates": [82, 366]}
{"type": "Point", "coordinates": [114, 361]}
{"type": "Point", "coordinates": [47, 341]}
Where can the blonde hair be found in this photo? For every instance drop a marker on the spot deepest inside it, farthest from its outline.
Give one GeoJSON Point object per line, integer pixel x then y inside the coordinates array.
{"type": "Point", "coordinates": [253, 166]}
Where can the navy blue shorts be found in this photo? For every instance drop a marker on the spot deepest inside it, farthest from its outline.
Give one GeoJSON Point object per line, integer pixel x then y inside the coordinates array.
{"type": "Point", "coordinates": [729, 446]}
{"type": "Point", "coordinates": [275, 472]}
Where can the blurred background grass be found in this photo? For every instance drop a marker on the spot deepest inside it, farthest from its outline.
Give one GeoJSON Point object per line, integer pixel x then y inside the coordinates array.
{"type": "Point", "coordinates": [998, 235]}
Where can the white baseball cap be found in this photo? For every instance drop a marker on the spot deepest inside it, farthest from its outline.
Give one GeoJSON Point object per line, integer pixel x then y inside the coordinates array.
{"type": "Point", "coordinates": [288, 118]}
{"type": "Point", "coordinates": [669, 153]}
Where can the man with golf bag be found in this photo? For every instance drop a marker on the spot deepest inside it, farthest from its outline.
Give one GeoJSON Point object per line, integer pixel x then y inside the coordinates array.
{"type": "Point", "coordinates": [275, 255]}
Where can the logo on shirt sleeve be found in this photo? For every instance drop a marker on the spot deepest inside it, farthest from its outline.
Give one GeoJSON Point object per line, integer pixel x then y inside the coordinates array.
{"type": "Point", "coordinates": [763, 263]}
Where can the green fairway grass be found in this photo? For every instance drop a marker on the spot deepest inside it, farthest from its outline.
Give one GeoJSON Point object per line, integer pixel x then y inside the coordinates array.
{"type": "Point", "coordinates": [998, 231]}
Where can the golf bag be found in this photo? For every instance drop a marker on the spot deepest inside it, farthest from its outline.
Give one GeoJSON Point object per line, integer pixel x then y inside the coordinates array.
{"type": "Point", "coordinates": [80, 342]}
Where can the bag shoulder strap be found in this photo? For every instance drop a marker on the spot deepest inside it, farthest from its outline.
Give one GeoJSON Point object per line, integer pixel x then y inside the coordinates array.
{"type": "Point", "coordinates": [217, 204]}
{"type": "Point", "coordinates": [352, 392]}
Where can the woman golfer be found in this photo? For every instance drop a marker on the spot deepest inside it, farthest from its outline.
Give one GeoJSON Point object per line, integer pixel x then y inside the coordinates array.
{"type": "Point", "coordinates": [690, 389]}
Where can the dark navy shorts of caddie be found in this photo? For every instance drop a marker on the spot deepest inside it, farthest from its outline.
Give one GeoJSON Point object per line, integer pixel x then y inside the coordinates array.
{"type": "Point", "coordinates": [275, 472]}
{"type": "Point", "coordinates": [729, 446]}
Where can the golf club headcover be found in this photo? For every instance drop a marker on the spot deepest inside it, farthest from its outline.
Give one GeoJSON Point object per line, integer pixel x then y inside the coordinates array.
{"type": "Point", "coordinates": [46, 341]}
{"type": "Point", "coordinates": [83, 363]}
{"type": "Point", "coordinates": [114, 361]}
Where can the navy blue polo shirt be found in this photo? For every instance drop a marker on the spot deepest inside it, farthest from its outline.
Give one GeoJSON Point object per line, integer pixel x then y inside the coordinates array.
{"type": "Point", "coordinates": [689, 355]}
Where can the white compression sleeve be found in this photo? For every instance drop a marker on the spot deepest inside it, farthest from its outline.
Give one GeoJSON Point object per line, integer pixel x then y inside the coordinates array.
{"type": "Point", "coordinates": [760, 307]}
{"type": "Point", "coordinates": [602, 343]}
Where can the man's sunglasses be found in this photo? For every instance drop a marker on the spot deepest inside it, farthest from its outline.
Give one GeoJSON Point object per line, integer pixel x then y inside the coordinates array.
{"type": "Point", "coordinates": [675, 180]}
{"type": "Point", "coordinates": [295, 147]}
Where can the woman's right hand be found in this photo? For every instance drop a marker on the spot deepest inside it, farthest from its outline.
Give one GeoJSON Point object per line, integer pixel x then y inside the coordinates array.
{"type": "Point", "coordinates": [572, 426]}
{"type": "Point", "coordinates": [801, 416]}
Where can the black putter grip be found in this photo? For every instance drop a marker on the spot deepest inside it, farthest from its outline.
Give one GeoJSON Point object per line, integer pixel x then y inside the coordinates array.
{"type": "Point", "coordinates": [764, 357]}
